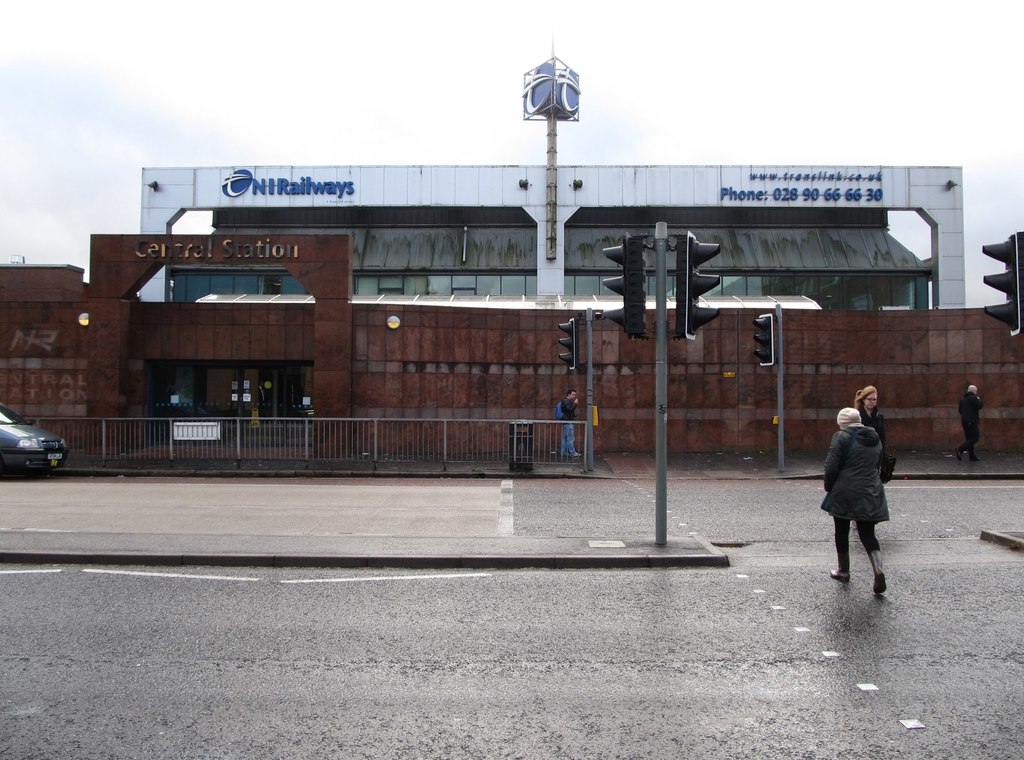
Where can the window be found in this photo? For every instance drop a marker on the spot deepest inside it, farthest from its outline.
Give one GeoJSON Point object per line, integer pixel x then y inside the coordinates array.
{"type": "Point", "coordinates": [189, 287]}
{"type": "Point", "coordinates": [230, 390]}
{"type": "Point", "coordinates": [488, 285]}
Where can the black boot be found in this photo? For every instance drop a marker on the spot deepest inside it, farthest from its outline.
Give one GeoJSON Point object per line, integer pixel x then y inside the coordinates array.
{"type": "Point", "coordinates": [876, 565]}
{"type": "Point", "coordinates": [843, 573]}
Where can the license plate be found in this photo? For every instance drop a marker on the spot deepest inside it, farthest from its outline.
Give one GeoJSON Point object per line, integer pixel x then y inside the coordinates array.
{"type": "Point", "coordinates": [54, 457]}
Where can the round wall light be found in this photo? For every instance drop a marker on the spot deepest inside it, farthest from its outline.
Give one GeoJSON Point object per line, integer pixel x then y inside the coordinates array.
{"type": "Point", "coordinates": [83, 319]}
{"type": "Point", "coordinates": [394, 322]}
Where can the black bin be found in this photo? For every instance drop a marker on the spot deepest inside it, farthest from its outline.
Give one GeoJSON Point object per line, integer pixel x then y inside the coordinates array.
{"type": "Point", "coordinates": [520, 447]}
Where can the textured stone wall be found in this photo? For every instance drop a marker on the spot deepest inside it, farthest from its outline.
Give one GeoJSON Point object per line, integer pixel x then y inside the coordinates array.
{"type": "Point", "coordinates": [446, 362]}
{"type": "Point", "coordinates": [503, 365]}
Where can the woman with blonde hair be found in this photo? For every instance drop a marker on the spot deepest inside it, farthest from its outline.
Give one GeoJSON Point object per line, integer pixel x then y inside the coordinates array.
{"type": "Point", "coordinates": [865, 401]}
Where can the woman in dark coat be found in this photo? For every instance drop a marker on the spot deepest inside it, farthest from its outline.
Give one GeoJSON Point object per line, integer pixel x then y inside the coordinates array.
{"type": "Point", "coordinates": [865, 401]}
{"type": "Point", "coordinates": [855, 492]}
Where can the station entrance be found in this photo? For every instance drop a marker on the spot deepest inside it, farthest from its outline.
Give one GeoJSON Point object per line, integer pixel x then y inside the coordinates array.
{"type": "Point", "coordinates": [250, 390]}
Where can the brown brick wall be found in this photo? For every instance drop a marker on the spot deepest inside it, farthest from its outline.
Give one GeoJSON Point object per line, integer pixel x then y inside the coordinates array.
{"type": "Point", "coordinates": [502, 364]}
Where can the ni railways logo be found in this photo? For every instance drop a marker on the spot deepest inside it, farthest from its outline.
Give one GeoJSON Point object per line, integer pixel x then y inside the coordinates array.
{"type": "Point", "coordinates": [242, 181]}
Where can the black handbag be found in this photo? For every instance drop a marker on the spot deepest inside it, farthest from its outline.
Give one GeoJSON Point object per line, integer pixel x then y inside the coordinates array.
{"type": "Point", "coordinates": [887, 466]}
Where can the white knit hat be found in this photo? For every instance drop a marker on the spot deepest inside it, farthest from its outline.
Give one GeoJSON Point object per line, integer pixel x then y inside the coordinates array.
{"type": "Point", "coordinates": [848, 416]}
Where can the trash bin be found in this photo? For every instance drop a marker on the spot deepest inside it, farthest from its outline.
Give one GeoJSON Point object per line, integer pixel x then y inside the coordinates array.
{"type": "Point", "coordinates": [520, 446]}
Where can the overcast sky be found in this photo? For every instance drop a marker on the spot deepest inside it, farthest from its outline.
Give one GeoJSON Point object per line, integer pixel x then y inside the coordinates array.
{"type": "Point", "coordinates": [94, 92]}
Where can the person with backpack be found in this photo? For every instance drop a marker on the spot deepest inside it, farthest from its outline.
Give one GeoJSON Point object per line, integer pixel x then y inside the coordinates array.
{"type": "Point", "coordinates": [566, 412]}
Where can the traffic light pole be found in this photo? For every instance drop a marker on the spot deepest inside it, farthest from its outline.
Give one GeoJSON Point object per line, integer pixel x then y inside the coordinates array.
{"type": "Point", "coordinates": [661, 384]}
{"type": "Point", "coordinates": [780, 371]}
{"type": "Point", "coordinates": [690, 316]}
{"type": "Point", "coordinates": [589, 462]}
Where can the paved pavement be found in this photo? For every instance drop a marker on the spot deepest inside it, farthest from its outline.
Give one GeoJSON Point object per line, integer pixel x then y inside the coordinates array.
{"type": "Point", "coordinates": [450, 527]}
{"type": "Point", "coordinates": [913, 465]}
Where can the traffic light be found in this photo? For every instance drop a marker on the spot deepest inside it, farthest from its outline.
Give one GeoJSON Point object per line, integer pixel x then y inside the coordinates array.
{"type": "Point", "coordinates": [765, 339]}
{"type": "Point", "coordinates": [572, 356]}
{"type": "Point", "coordinates": [631, 285]}
{"type": "Point", "coordinates": [691, 284]}
{"type": "Point", "coordinates": [1008, 281]}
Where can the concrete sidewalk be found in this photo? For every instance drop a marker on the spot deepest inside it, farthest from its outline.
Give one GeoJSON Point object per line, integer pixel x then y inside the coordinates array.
{"type": "Point", "coordinates": [702, 466]}
{"type": "Point", "coordinates": [553, 553]}
{"type": "Point", "coordinates": [384, 521]}
{"type": "Point", "coordinates": [910, 465]}
{"type": "Point", "coordinates": [460, 523]}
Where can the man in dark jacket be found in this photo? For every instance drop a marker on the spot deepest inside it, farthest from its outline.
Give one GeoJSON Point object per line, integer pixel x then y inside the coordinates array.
{"type": "Point", "coordinates": [566, 411]}
{"type": "Point", "coordinates": [970, 405]}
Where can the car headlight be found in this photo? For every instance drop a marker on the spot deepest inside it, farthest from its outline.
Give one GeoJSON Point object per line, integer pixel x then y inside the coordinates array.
{"type": "Point", "coordinates": [29, 443]}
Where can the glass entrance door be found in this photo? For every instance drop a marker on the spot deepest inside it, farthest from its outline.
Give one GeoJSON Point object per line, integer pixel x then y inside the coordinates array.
{"type": "Point", "coordinates": [250, 391]}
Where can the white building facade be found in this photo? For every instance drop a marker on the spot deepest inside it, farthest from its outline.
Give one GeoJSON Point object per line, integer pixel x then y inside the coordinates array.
{"type": "Point", "coordinates": [779, 226]}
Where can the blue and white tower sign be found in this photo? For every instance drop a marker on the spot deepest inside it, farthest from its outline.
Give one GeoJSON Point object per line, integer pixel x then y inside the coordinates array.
{"type": "Point", "coordinates": [551, 90]}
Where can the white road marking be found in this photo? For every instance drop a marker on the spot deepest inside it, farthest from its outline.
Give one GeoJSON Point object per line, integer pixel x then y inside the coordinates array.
{"type": "Point", "coordinates": [23, 572]}
{"type": "Point", "coordinates": [33, 530]}
{"type": "Point", "coordinates": [389, 578]}
{"type": "Point", "coordinates": [506, 510]}
{"type": "Point", "coordinates": [171, 575]}
{"type": "Point", "coordinates": [951, 487]}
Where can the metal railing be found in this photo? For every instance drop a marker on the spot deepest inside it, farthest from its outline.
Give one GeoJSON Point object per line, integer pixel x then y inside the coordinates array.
{"type": "Point", "coordinates": [319, 443]}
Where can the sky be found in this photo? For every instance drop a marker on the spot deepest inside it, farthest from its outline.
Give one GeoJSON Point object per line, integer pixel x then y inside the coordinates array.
{"type": "Point", "coordinates": [93, 92]}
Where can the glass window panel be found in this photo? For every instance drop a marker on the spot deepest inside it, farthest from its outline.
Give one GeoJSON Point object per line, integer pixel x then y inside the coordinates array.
{"type": "Point", "coordinates": [392, 285]}
{"type": "Point", "coordinates": [439, 285]}
{"type": "Point", "coordinates": [902, 291]}
{"type": "Point", "coordinates": [585, 285]}
{"type": "Point", "coordinates": [221, 284]}
{"type": "Point", "coordinates": [775, 285]}
{"type": "Point", "coordinates": [829, 293]}
{"type": "Point", "coordinates": [244, 283]}
{"type": "Point", "coordinates": [464, 284]}
{"type": "Point", "coordinates": [292, 287]}
{"type": "Point", "coordinates": [736, 286]}
{"type": "Point", "coordinates": [194, 288]}
{"type": "Point", "coordinates": [488, 285]}
{"type": "Point", "coordinates": [811, 286]}
{"type": "Point", "coordinates": [415, 285]}
{"type": "Point", "coordinates": [173, 391]}
{"type": "Point", "coordinates": [860, 294]}
{"type": "Point", "coordinates": [365, 285]}
{"type": "Point", "coordinates": [513, 285]}
{"type": "Point", "coordinates": [221, 382]}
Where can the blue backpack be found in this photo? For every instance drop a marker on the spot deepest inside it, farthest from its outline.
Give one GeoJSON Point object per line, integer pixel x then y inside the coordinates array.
{"type": "Point", "coordinates": [558, 412]}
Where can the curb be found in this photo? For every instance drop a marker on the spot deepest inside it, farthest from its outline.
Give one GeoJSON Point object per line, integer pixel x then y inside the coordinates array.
{"type": "Point", "coordinates": [406, 561]}
{"type": "Point", "coordinates": [1013, 541]}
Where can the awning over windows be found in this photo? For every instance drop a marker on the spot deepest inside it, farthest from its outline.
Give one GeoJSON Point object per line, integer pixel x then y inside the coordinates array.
{"type": "Point", "coordinates": [778, 249]}
{"type": "Point", "coordinates": [744, 249]}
